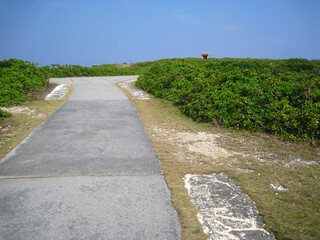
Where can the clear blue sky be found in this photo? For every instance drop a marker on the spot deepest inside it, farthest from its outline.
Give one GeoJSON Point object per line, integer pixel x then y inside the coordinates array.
{"type": "Point", "coordinates": [90, 32]}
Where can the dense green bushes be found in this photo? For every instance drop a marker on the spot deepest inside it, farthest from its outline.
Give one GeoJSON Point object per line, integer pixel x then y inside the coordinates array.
{"type": "Point", "coordinates": [56, 70]}
{"type": "Point", "coordinates": [276, 96]}
{"type": "Point", "coordinates": [19, 79]}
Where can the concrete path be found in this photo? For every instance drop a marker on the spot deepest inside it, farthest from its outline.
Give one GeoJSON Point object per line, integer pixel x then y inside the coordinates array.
{"type": "Point", "coordinates": [88, 172]}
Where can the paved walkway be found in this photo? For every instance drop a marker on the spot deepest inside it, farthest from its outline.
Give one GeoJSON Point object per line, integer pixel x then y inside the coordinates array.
{"type": "Point", "coordinates": [88, 172]}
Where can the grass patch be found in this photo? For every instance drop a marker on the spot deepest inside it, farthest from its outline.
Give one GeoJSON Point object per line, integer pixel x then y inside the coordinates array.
{"type": "Point", "coordinates": [186, 147]}
{"type": "Point", "coordinates": [26, 117]}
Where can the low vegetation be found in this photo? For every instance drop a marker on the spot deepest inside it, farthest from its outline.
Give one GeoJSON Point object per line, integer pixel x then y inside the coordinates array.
{"type": "Point", "coordinates": [276, 96]}
{"type": "Point", "coordinates": [21, 80]}
{"type": "Point", "coordinates": [56, 70]}
{"type": "Point", "coordinates": [4, 114]}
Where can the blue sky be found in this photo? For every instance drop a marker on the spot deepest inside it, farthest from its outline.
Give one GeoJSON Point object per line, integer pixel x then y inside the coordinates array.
{"type": "Point", "coordinates": [90, 32]}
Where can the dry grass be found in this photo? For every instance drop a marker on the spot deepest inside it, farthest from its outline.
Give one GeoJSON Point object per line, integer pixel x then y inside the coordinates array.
{"type": "Point", "coordinates": [253, 160]}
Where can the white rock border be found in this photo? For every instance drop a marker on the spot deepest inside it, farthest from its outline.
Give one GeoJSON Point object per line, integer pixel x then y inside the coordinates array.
{"type": "Point", "coordinates": [223, 210]}
{"type": "Point", "coordinates": [58, 92]}
{"type": "Point", "coordinates": [135, 92]}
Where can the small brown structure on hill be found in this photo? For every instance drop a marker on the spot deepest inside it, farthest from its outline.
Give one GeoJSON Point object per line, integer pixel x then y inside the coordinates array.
{"type": "Point", "coordinates": [205, 55]}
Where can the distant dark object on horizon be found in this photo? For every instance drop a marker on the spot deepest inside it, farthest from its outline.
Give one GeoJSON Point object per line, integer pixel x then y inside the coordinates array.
{"type": "Point", "coordinates": [205, 55]}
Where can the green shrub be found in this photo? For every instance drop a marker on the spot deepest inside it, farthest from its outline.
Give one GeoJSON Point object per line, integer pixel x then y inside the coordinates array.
{"type": "Point", "coordinates": [276, 96]}
{"type": "Point", "coordinates": [56, 70]}
{"type": "Point", "coordinates": [19, 79]}
{"type": "Point", "coordinates": [4, 114]}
